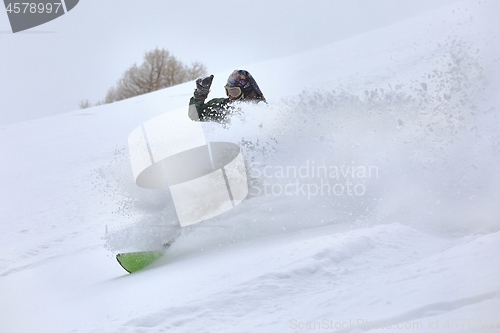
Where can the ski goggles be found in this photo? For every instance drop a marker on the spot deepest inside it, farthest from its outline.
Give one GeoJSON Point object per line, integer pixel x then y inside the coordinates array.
{"type": "Point", "coordinates": [233, 92]}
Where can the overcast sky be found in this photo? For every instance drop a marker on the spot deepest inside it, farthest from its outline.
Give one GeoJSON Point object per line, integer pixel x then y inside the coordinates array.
{"type": "Point", "coordinates": [48, 69]}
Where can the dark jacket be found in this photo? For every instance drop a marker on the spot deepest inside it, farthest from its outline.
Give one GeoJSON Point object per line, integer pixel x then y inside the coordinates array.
{"type": "Point", "coordinates": [217, 109]}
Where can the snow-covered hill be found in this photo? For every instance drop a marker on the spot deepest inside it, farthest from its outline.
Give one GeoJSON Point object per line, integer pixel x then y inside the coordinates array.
{"type": "Point", "coordinates": [373, 200]}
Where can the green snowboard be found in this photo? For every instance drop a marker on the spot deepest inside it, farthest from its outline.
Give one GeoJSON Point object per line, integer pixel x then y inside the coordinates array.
{"type": "Point", "coordinates": [135, 261]}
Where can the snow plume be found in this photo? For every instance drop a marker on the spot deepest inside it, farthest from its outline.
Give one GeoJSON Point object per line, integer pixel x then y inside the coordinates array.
{"type": "Point", "coordinates": [421, 150]}
{"type": "Point", "coordinates": [145, 219]}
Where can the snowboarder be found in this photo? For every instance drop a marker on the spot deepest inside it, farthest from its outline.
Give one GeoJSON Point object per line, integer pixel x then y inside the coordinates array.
{"type": "Point", "coordinates": [240, 86]}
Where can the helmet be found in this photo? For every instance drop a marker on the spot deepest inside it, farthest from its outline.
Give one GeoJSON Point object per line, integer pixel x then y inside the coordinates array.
{"type": "Point", "coordinates": [241, 85]}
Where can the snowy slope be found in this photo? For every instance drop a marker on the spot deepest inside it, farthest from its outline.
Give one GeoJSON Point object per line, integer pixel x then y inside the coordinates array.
{"type": "Point", "coordinates": [417, 244]}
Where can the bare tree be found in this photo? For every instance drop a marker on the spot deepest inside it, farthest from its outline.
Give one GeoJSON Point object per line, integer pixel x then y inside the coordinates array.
{"type": "Point", "coordinates": [175, 72]}
{"type": "Point", "coordinates": [196, 70]}
{"type": "Point", "coordinates": [110, 96]}
{"type": "Point", "coordinates": [158, 70]}
{"type": "Point", "coordinates": [84, 103]}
